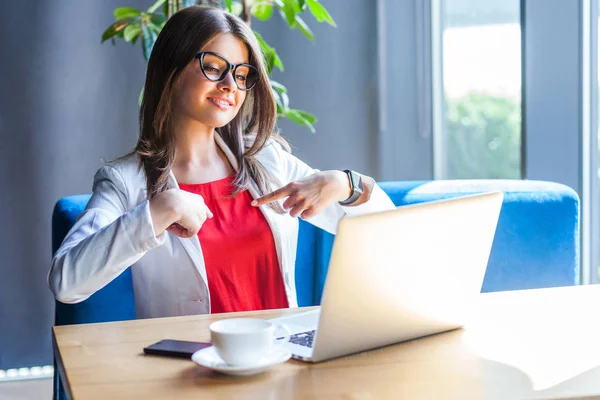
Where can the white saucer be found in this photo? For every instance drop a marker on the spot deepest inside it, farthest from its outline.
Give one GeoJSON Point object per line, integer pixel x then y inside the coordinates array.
{"type": "Point", "coordinates": [209, 358]}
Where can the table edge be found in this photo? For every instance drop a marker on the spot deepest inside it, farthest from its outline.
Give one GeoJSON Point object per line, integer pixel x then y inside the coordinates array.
{"type": "Point", "coordinates": [60, 370]}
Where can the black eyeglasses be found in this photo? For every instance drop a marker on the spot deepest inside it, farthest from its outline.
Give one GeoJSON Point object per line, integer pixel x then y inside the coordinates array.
{"type": "Point", "coordinates": [215, 68]}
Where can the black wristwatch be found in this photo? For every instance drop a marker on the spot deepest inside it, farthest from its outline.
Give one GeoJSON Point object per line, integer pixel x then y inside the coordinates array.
{"type": "Point", "coordinates": [356, 186]}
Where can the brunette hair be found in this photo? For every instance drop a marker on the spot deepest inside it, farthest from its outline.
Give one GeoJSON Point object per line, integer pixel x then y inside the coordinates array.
{"type": "Point", "coordinates": [183, 35]}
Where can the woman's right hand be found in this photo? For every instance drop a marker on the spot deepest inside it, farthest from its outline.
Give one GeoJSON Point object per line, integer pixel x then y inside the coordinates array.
{"type": "Point", "coordinates": [179, 212]}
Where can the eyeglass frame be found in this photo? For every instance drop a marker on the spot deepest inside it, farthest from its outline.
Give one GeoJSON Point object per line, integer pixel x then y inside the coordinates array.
{"type": "Point", "coordinates": [230, 67]}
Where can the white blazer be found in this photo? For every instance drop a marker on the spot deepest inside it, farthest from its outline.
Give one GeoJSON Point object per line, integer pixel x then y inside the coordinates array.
{"type": "Point", "coordinates": [169, 276]}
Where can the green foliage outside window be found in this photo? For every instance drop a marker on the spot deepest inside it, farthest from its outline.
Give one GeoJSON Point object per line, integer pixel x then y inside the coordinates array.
{"type": "Point", "coordinates": [483, 137]}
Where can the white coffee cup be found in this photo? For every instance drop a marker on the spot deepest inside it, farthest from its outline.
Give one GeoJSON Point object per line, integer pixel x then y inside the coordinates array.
{"type": "Point", "coordinates": [245, 341]}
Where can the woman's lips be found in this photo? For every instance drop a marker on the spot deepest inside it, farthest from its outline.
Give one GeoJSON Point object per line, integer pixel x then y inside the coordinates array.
{"type": "Point", "coordinates": [221, 103]}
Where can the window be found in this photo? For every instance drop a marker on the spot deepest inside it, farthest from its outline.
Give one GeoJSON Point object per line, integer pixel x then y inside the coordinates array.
{"type": "Point", "coordinates": [480, 122]}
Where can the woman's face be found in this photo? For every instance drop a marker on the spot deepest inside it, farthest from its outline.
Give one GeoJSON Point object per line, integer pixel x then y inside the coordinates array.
{"type": "Point", "coordinates": [213, 104]}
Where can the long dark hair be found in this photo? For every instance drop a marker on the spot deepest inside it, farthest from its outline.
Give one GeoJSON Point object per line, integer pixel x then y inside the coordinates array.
{"type": "Point", "coordinates": [183, 35]}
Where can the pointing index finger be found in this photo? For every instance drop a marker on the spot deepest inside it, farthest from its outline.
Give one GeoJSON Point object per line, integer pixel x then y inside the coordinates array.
{"type": "Point", "coordinates": [271, 197]}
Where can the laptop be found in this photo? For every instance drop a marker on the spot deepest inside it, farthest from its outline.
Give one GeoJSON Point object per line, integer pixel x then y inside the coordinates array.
{"type": "Point", "coordinates": [399, 275]}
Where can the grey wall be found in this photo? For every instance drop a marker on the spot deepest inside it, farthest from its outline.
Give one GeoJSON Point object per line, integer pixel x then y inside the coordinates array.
{"type": "Point", "coordinates": [65, 102]}
{"type": "Point", "coordinates": [552, 91]}
{"type": "Point", "coordinates": [404, 85]}
{"type": "Point", "coordinates": [362, 82]}
{"type": "Point", "coordinates": [335, 78]}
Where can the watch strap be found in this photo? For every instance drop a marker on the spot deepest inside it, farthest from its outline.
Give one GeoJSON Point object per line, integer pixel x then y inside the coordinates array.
{"type": "Point", "coordinates": [355, 182]}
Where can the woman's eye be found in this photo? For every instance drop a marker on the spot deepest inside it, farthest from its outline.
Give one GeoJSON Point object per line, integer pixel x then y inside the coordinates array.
{"type": "Point", "coordinates": [211, 69]}
{"type": "Point", "coordinates": [241, 78]}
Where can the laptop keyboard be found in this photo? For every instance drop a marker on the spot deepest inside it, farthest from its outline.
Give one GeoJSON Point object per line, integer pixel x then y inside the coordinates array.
{"type": "Point", "coordinates": [303, 338]}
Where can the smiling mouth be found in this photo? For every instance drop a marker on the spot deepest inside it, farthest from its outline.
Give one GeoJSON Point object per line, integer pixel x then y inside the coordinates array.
{"type": "Point", "coordinates": [222, 104]}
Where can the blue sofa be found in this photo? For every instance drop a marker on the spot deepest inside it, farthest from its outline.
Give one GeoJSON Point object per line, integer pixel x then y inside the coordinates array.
{"type": "Point", "coordinates": [536, 243]}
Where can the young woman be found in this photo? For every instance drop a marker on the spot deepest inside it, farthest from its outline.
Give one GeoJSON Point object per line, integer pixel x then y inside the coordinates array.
{"type": "Point", "coordinates": [205, 208]}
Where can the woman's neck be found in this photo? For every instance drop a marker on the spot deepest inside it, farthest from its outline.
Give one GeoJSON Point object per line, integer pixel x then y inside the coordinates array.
{"type": "Point", "coordinates": [198, 158]}
{"type": "Point", "coordinates": [194, 144]}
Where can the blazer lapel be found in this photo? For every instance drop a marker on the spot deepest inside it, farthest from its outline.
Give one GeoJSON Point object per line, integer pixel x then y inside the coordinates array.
{"type": "Point", "coordinates": [191, 245]}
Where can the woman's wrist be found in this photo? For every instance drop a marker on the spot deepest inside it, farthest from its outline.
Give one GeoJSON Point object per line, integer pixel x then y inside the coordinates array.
{"type": "Point", "coordinates": [343, 183]}
{"type": "Point", "coordinates": [164, 211]}
{"type": "Point", "coordinates": [366, 183]}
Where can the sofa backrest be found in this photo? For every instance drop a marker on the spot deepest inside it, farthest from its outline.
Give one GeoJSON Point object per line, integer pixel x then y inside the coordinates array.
{"type": "Point", "coordinates": [536, 244]}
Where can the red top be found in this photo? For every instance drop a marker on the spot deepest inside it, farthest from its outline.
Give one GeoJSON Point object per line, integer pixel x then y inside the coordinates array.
{"type": "Point", "coordinates": [239, 251]}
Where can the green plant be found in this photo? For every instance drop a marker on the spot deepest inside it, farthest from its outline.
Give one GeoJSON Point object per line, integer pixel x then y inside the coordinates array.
{"type": "Point", "coordinates": [132, 25]}
{"type": "Point", "coordinates": [484, 137]}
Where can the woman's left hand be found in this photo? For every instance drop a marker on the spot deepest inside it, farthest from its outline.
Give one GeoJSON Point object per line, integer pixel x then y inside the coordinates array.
{"type": "Point", "coordinates": [309, 196]}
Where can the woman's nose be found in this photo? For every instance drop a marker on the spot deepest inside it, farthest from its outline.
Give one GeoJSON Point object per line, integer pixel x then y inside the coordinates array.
{"type": "Point", "coordinates": [228, 83]}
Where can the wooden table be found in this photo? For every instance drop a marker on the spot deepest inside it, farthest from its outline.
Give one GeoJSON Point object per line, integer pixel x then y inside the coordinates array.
{"type": "Point", "coordinates": [541, 343]}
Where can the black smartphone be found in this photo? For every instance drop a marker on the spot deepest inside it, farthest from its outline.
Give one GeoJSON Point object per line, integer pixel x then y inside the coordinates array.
{"type": "Point", "coordinates": [175, 348]}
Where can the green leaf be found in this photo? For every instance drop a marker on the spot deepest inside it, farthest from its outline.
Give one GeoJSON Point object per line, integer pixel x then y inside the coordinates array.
{"type": "Point", "coordinates": [158, 19]}
{"type": "Point", "coordinates": [126, 12]}
{"type": "Point", "coordinates": [313, 6]}
{"type": "Point", "coordinates": [297, 8]}
{"type": "Point", "coordinates": [307, 116]}
{"type": "Point", "coordinates": [277, 61]}
{"type": "Point", "coordinates": [260, 39]}
{"type": "Point", "coordinates": [301, 4]}
{"type": "Point", "coordinates": [149, 38]}
{"type": "Point", "coordinates": [263, 11]}
{"type": "Point", "coordinates": [114, 29]}
{"type": "Point", "coordinates": [156, 5]}
{"type": "Point", "coordinates": [298, 118]}
{"type": "Point", "coordinates": [228, 5]}
{"type": "Point", "coordinates": [319, 12]}
{"type": "Point", "coordinates": [285, 101]}
{"type": "Point", "coordinates": [277, 99]}
{"type": "Point", "coordinates": [304, 28]}
{"type": "Point", "coordinates": [282, 100]}
{"type": "Point", "coordinates": [132, 31]}
{"type": "Point", "coordinates": [269, 54]}
{"type": "Point", "coordinates": [278, 87]}
{"type": "Point", "coordinates": [109, 33]}
{"type": "Point", "coordinates": [269, 57]}
{"type": "Point", "coordinates": [288, 10]}
{"type": "Point", "coordinates": [263, 45]}
{"type": "Point", "coordinates": [154, 27]}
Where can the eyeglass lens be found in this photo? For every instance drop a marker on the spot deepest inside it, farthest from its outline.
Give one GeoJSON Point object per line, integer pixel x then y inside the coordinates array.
{"type": "Point", "coordinates": [216, 68]}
